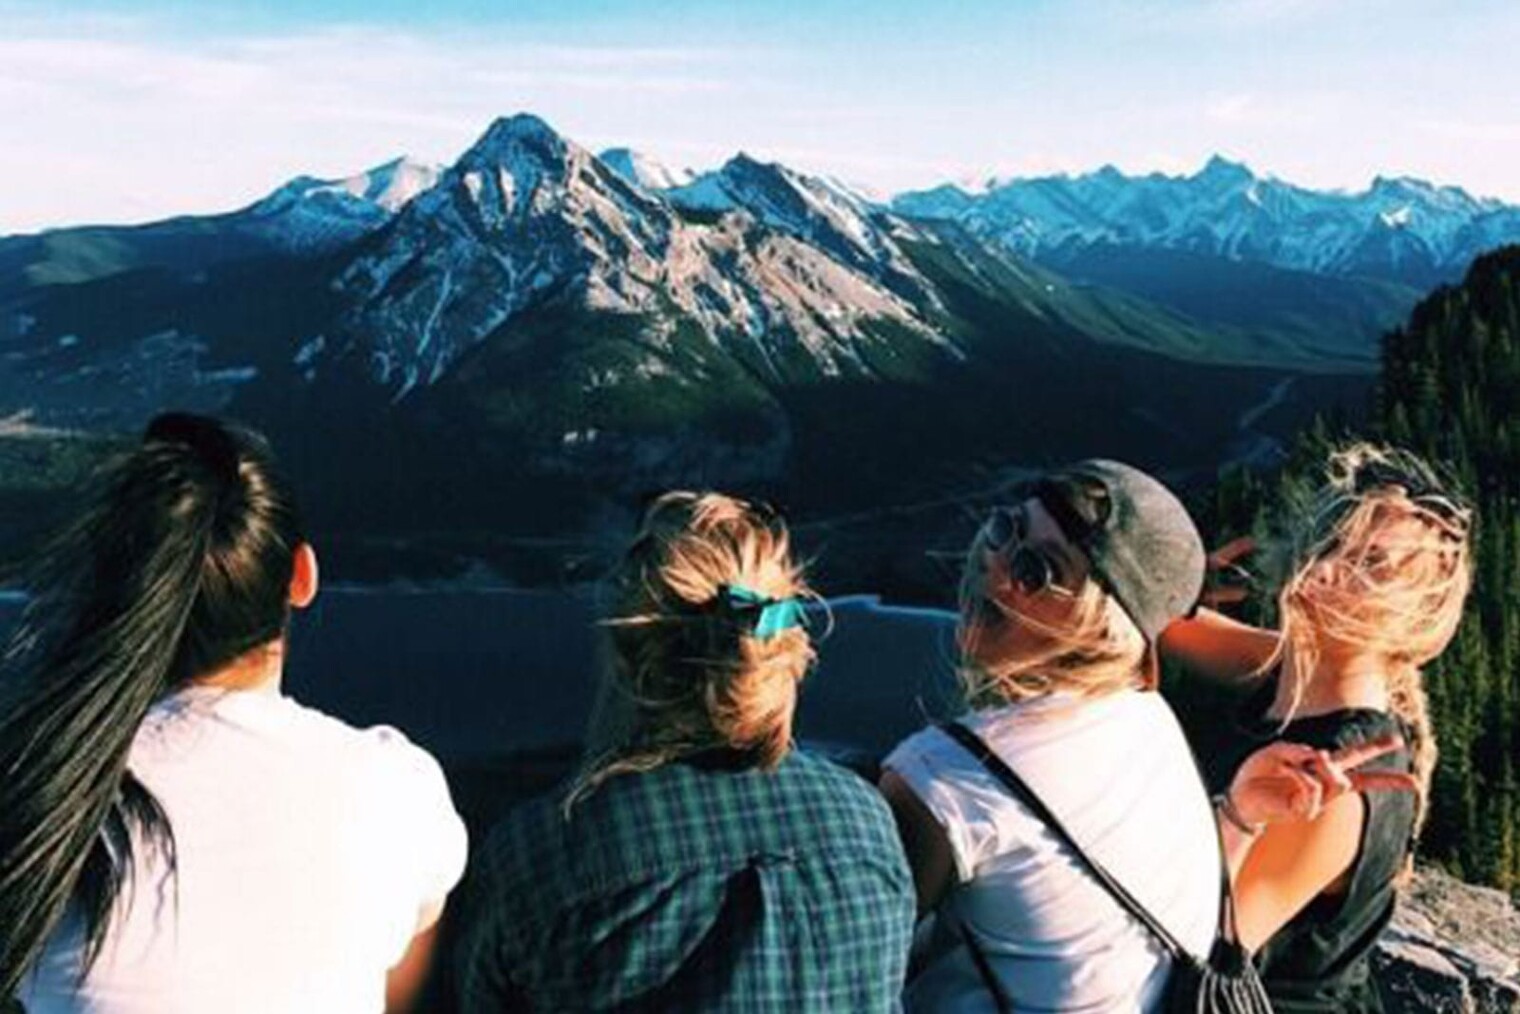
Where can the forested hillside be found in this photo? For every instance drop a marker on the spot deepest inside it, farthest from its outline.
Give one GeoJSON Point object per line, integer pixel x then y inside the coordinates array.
{"type": "Point", "coordinates": [1451, 389]}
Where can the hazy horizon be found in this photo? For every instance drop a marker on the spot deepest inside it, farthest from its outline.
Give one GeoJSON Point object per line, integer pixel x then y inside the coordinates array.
{"type": "Point", "coordinates": [136, 110]}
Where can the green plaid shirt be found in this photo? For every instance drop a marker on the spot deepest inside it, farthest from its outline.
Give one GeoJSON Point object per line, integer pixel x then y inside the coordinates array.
{"type": "Point", "coordinates": [693, 887]}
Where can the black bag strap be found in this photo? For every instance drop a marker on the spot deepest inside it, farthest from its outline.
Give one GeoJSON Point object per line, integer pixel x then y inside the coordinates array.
{"type": "Point", "coordinates": [1024, 794]}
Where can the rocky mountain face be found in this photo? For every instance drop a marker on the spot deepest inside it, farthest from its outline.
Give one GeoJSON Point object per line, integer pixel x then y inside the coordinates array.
{"type": "Point", "coordinates": [644, 172]}
{"type": "Point", "coordinates": [1399, 230]}
{"type": "Point", "coordinates": [525, 215]}
{"type": "Point", "coordinates": [1452, 948]}
{"type": "Point", "coordinates": [541, 333]}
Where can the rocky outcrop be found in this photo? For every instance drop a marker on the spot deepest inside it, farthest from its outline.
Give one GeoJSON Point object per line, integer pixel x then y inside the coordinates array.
{"type": "Point", "coordinates": [1452, 947]}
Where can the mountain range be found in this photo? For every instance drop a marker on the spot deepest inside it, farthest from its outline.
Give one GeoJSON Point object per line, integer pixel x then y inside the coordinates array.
{"type": "Point", "coordinates": [1399, 229]}
{"type": "Point", "coordinates": [542, 334]}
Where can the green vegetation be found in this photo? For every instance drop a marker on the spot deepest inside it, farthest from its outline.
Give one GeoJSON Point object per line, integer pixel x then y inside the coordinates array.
{"type": "Point", "coordinates": [91, 253]}
{"type": "Point", "coordinates": [1233, 313]}
{"type": "Point", "coordinates": [41, 472]}
{"type": "Point", "coordinates": [1451, 389]}
{"type": "Point", "coordinates": [1298, 313]}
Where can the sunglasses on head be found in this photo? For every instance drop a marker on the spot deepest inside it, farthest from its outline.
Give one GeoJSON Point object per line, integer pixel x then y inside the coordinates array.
{"type": "Point", "coordinates": [1006, 532]}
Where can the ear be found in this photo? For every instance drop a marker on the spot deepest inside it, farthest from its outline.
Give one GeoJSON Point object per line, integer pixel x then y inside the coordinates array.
{"type": "Point", "coordinates": [303, 576]}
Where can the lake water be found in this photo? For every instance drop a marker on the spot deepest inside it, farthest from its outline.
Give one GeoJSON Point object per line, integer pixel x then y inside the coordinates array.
{"type": "Point", "coordinates": [484, 679]}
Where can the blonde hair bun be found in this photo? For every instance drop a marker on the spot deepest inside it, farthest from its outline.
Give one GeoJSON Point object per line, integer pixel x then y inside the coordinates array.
{"type": "Point", "coordinates": [688, 673]}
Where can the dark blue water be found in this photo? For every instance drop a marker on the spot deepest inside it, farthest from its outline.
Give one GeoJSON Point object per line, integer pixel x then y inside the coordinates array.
{"type": "Point", "coordinates": [486, 674]}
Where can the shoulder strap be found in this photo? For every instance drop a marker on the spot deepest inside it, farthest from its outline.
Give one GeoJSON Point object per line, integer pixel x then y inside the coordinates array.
{"type": "Point", "coordinates": [1024, 794]}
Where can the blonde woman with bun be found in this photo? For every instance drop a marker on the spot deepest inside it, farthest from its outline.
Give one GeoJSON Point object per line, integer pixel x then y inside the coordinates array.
{"type": "Point", "coordinates": [699, 860]}
{"type": "Point", "coordinates": [1379, 568]}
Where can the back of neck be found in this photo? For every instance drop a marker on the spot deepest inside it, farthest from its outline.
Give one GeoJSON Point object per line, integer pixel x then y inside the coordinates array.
{"type": "Point", "coordinates": [1335, 683]}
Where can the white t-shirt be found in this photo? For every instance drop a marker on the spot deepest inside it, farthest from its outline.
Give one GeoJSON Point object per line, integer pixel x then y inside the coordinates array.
{"type": "Point", "coordinates": [309, 855]}
{"type": "Point", "coordinates": [1117, 772]}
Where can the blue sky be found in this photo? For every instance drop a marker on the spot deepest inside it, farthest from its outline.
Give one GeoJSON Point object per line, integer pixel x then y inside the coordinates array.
{"type": "Point", "coordinates": [127, 111]}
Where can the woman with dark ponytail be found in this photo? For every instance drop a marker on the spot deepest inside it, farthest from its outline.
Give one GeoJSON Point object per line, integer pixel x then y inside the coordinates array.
{"type": "Point", "coordinates": [175, 834]}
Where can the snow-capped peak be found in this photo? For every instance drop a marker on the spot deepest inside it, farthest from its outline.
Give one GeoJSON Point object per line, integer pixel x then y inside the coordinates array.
{"type": "Point", "coordinates": [1224, 208]}
{"type": "Point", "coordinates": [789, 200]}
{"type": "Point", "coordinates": [1220, 171]}
{"type": "Point", "coordinates": [309, 214]}
{"type": "Point", "coordinates": [971, 184]}
{"type": "Point", "coordinates": [517, 128]}
{"type": "Point", "coordinates": [516, 142]}
{"type": "Point", "coordinates": [393, 185]}
{"type": "Point", "coordinates": [643, 171]}
{"type": "Point", "coordinates": [526, 215]}
{"type": "Point", "coordinates": [388, 187]}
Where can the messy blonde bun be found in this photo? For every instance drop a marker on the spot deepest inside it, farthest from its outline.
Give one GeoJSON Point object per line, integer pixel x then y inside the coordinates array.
{"type": "Point", "coordinates": [685, 673]}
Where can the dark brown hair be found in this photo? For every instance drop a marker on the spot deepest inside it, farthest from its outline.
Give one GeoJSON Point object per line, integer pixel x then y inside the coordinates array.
{"type": "Point", "coordinates": [180, 563]}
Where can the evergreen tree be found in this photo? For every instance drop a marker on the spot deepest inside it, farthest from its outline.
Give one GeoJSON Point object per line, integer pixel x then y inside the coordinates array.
{"type": "Point", "coordinates": [1449, 391]}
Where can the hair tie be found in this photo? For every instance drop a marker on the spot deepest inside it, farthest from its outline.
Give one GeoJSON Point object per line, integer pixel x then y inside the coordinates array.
{"type": "Point", "coordinates": [203, 436]}
{"type": "Point", "coordinates": [766, 617]}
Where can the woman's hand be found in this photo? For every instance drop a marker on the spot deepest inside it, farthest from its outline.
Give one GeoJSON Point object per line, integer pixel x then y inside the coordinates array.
{"type": "Point", "coordinates": [1291, 827]}
{"type": "Point", "coordinates": [1291, 781]}
{"type": "Point", "coordinates": [1226, 581]}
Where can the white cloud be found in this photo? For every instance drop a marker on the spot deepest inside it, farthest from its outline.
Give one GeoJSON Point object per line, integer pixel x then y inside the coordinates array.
{"type": "Point", "coordinates": [1489, 131]}
{"type": "Point", "coordinates": [124, 119]}
{"type": "Point", "coordinates": [1230, 17]}
{"type": "Point", "coordinates": [115, 125]}
{"type": "Point", "coordinates": [1229, 108]}
{"type": "Point", "coordinates": [1293, 109]}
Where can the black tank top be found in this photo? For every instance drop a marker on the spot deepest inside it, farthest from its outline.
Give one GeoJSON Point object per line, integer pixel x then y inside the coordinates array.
{"type": "Point", "coordinates": [1319, 960]}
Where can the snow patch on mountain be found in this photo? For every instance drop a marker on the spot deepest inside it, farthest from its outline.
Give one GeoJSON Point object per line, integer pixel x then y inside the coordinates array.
{"type": "Point", "coordinates": [309, 214]}
{"type": "Point", "coordinates": [389, 187]}
{"type": "Point", "coordinates": [644, 171]}
{"type": "Point", "coordinates": [704, 193]}
{"type": "Point", "coordinates": [821, 211]}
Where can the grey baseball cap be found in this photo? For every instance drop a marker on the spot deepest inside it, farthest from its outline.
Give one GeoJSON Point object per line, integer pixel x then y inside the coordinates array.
{"type": "Point", "coordinates": [1138, 538]}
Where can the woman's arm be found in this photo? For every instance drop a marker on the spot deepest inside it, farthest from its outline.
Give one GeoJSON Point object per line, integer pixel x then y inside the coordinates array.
{"type": "Point", "coordinates": [407, 981]}
{"type": "Point", "coordinates": [1291, 825]}
{"type": "Point", "coordinates": [1218, 648]}
{"type": "Point", "coordinates": [1292, 863]}
{"type": "Point", "coordinates": [924, 841]}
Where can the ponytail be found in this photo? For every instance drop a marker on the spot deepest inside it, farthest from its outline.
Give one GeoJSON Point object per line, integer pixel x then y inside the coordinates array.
{"type": "Point", "coordinates": [163, 578]}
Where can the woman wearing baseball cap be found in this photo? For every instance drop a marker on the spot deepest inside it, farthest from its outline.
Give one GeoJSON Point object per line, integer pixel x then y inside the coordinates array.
{"type": "Point", "coordinates": [1064, 595]}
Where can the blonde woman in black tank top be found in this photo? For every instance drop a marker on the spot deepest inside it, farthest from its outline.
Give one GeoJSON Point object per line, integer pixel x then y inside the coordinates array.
{"type": "Point", "coordinates": [1380, 570]}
